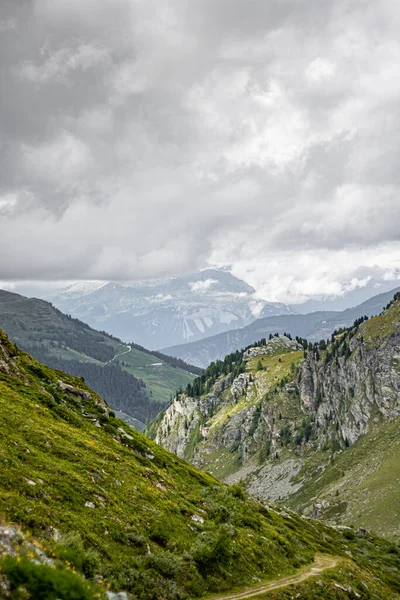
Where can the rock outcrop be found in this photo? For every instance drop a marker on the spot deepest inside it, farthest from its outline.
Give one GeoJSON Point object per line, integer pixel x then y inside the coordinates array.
{"type": "Point", "coordinates": [290, 404]}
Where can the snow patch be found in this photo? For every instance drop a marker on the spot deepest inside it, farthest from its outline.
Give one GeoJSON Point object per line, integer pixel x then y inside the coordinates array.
{"type": "Point", "coordinates": [256, 308]}
{"type": "Point", "coordinates": [227, 318]}
{"type": "Point", "coordinates": [84, 287]}
{"type": "Point", "coordinates": [199, 325]}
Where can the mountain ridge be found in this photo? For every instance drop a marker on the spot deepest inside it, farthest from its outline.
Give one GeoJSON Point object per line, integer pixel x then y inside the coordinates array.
{"type": "Point", "coordinates": [178, 309]}
{"type": "Point", "coordinates": [313, 326]}
{"type": "Point", "coordinates": [284, 415]}
{"type": "Point", "coordinates": [89, 505]}
{"type": "Point", "coordinates": [132, 379]}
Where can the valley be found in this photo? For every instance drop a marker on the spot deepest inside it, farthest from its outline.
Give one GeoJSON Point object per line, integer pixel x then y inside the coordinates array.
{"type": "Point", "coordinates": [199, 300]}
{"type": "Point", "coordinates": [90, 508]}
{"type": "Point", "coordinates": [312, 426]}
{"type": "Point", "coordinates": [134, 382]}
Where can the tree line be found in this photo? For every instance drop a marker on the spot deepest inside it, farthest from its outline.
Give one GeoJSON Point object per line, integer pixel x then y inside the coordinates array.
{"type": "Point", "coordinates": [121, 390]}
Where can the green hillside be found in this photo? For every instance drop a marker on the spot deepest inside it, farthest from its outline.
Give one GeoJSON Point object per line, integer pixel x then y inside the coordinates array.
{"type": "Point", "coordinates": [105, 503]}
{"type": "Point", "coordinates": [314, 427]}
{"type": "Point", "coordinates": [160, 377]}
{"type": "Point", "coordinates": [104, 361]}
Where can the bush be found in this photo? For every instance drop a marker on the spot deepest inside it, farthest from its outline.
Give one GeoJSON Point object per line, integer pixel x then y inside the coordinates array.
{"type": "Point", "coordinates": [159, 534]}
{"type": "Point", "coordinates": [237, 491]}
{"type": "Point", "coordinates": [71, 549]}
{"type": "Point", "coordinates": [165, 563]}
{"type": "Point", "coordinates": [136, 540]}
{"type": "Point", "coordinates": [220, 514]}
{"type": "Point", "coordinates": [41, 581]}
{"type": "Point", "coordinates": [212, 550]}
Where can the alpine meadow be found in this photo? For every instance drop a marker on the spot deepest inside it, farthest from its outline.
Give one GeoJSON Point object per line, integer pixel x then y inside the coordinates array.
{"type": "Point", "coordinates": [199, 300]}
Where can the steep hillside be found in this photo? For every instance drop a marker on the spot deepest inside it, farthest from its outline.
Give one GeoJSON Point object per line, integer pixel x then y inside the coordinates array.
{"type": "Point", "coordinates": [312, 326]}
{"type": "Point", "coordinates": [94, 505]}
{"type": "Point", "coordinates": [170, 311]}
{"type": "Point", "coordinates": [312, 425]}
{"type": "Point", "coordinates": [130, 378]}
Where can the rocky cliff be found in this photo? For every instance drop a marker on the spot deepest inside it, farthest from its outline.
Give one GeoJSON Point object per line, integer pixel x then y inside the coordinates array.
{"type": "Point", "coordinates": [294, 409]}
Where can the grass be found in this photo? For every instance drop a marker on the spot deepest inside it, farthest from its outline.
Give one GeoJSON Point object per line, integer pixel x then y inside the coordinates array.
{"type": "Point", "coordinates": [163, 380]}
{"type": "Point", "coordinates": [364, 480]}
{"type": "Point", "coordinates": [36, 325]}
{"type": "Point", "coordinates": [378, 328]}
{"type": "Point", "coordinates": [128, 511]}
{"type": "Point", "coordinates": [344, 582]}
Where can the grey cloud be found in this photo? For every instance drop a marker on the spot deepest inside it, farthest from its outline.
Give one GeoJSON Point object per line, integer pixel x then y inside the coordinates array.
{"type": "Point", "coordinates": [144, 138]}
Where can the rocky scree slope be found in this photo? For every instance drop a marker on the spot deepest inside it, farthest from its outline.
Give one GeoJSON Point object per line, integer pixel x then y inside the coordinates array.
{"type": "Point", "coordinates": [90, 507]}
{"type": "Point", "coordinates": [315, 426]}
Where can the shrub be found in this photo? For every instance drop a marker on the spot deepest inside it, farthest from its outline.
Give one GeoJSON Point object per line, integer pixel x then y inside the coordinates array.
{"type": "Point", "coordinates": [212, 550]}
{"type": "Point", "coordinates": [46, 583]}
{"type": "Point", "coordinates": [220, 514]}
{"type": "Point", "coordinates": [165, 563]}
{"type": "Point", "coordinates": [159, 534]}
{"type": "Point", "coordinates": [71, 549]}
{"type": "Point", "coordinates": [237, 491]}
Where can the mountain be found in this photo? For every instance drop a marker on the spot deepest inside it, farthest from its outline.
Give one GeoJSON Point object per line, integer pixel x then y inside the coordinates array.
{"type": "Point", "coordinates": [167, 312]}
{"type": "Point", "coordinates": [90, 508]}
{"type": "Point", "coordinates": [131, 379]}
{"type": "Point", "coordinates": [313, 326]}
{"type": "Point", "coordinates": [349, 299]}
{"type": "Point", "coordinates": [314, 426]}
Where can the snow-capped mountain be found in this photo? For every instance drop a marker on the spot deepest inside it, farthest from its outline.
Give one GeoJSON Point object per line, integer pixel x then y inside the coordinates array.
{"type": "Point", "coordinates": [167, 312]}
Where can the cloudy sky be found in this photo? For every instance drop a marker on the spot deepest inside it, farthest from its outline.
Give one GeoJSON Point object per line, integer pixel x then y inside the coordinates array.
{"type": "Point", "coordinates": [144, 138]}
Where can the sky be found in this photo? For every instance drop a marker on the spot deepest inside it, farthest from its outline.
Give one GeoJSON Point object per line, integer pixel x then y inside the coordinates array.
{"type": "Point", "coordinates": [147, 138]}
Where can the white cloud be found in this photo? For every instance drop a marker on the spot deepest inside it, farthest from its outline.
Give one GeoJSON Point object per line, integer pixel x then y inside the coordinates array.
{"type": "Point", "coordinates": [7, 203]}
{"type": "Point", "coordinates": [319, 70]}
{"type": "Point", "coordinates": [8, 25]}
{"type": "Point", "coordinates": [59, 64]}
{"type": "Point", "coordinates": [144, 139]}
{"type": "Point", "coordinates": [60, 160]}
{"type": "Point", "coordinates": [202, 285]}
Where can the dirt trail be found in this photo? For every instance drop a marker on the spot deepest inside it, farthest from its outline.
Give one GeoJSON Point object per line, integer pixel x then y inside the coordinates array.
{"type": "Point", "coordinates": [120, 354]}
{"type": "Point", "coordinates": [322, 563]}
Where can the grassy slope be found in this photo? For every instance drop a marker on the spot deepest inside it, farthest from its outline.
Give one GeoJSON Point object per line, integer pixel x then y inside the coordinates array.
{"type": "Point", "coordinates": [155, 525]}
{"type": "Point", "coordinates": [361, 485]}
{"type": "Point", "coordinates": [277, 365]}
{"type": "Point", "coordinates": [163, 380]}
{"type": "Point", "coordinates": [28, 320]}
{"type": "Point", "coordinates": [378, 328]}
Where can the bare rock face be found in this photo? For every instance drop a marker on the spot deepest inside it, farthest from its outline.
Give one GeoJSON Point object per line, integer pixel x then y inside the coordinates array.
{"type": "Point", "coordinates": [324, 401]}
{"type": "Point", "coordinates": [70, 389]}
{"type": "Point", "coordinates": [351, 391]}
{"type": "Point", "coordinates": [7, 354]}
{"type": "Point", "coordinates": [83, 394]}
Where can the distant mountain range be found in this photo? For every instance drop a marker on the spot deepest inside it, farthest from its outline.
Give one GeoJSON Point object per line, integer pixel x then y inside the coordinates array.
{"type": "Point", "coordinates": [168, 312]}
{"type": "Point", "coordinates": [313, 326]}
{"type": "Point", "coordinates": [349, 299]}
{"type": "Point", "coordinates": [133, 380]}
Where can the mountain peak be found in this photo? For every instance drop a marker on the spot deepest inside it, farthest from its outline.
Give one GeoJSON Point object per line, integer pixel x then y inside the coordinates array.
{"type": "Point", "coordinates": [162, 313]}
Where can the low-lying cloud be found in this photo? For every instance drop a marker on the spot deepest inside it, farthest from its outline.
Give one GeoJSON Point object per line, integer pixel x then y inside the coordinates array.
{"type": "Point", "coordinates": [142, 139]}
